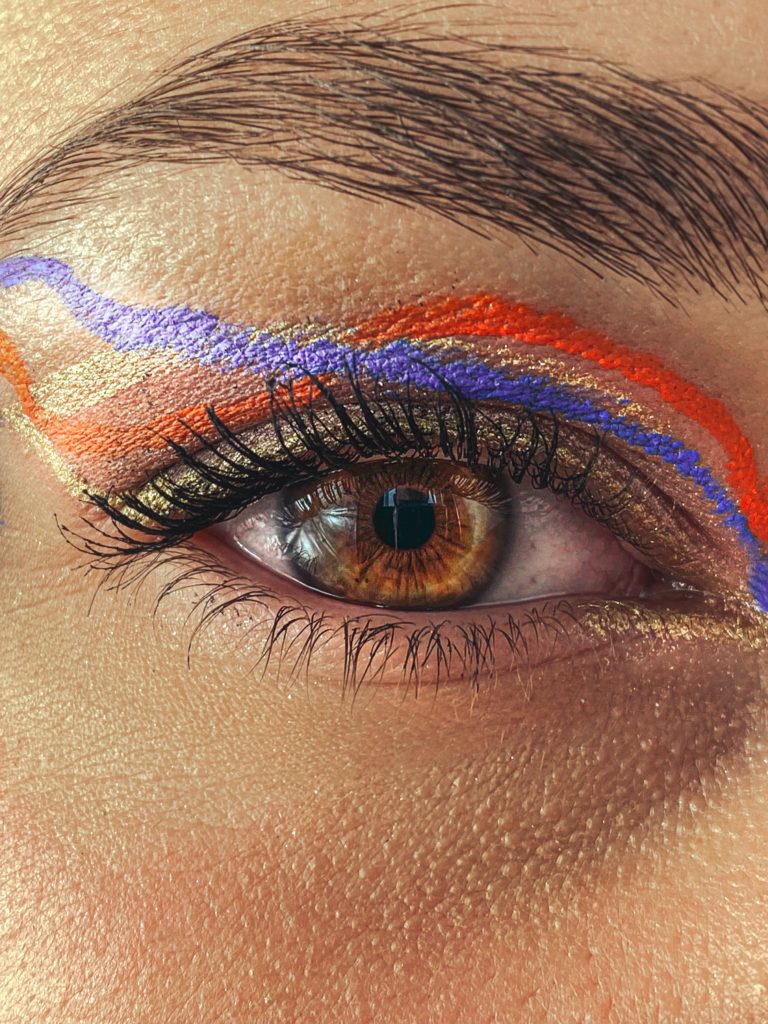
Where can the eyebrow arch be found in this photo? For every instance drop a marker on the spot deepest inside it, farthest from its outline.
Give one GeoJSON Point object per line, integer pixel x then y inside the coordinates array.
{"type": "Point", "coordinates": [636, 176]}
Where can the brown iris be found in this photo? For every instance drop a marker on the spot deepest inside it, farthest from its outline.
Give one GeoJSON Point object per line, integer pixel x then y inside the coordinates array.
{"type": "Point", "coordinates": [415, 534]}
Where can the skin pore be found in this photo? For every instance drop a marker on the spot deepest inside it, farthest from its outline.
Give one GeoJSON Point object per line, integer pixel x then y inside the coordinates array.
{"type": "Point", "coordinates": [193, 840]}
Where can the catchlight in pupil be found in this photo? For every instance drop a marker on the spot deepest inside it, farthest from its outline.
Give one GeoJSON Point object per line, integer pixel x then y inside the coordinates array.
{"type": "Point", "coordinates": [404, 517]}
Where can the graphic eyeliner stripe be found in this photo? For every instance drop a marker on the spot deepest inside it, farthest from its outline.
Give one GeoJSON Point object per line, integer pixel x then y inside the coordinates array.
{"type": "Point", "coordinates": [202, 336]}
{"type": "Point", "coordinates": [291, 356]}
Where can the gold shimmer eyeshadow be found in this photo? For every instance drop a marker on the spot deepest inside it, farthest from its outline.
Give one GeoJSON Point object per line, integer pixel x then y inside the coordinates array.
{"type": "Point", "coordinates": [70, 392]}
{"type": "Point", "coordinates": [414, 347]}
{"type": "Point", "coordinates": [610, 620]}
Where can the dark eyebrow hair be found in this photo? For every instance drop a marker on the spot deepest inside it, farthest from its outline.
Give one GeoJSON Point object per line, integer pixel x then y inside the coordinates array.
{"type": "Point", "coordinates": [640, 177]}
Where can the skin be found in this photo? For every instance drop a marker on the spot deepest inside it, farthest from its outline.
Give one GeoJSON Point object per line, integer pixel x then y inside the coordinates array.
{"type": "Point", "coordinates": [585, 843]}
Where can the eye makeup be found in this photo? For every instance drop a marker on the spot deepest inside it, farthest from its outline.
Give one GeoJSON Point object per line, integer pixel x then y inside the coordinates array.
{"type": "Point", "coordinates": [155, 373]}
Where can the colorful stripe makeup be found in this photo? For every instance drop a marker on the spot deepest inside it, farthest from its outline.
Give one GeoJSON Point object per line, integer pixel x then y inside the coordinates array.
{"type": "Point", "coordinates": [149, 376]}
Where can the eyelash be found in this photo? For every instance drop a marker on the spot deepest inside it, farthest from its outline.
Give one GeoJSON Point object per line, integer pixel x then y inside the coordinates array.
{"type": "Point", "coordinates": [128, 536]}
{"type": "Point", "coordinates": [229, 473]}
{"type": "Point", "coordinates": [220, 477]}
{"type": "Point", "coordinates": [436, 650]}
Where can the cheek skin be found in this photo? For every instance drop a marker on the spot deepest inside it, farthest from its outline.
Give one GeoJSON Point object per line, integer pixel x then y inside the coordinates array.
{"type": "Point", "coordinates": [322, 908]}
{"type": "Point", "coordinates": [558, 828]}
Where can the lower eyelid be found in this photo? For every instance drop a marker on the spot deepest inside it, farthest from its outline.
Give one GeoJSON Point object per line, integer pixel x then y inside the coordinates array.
{"type": "Point", "coordinates": [356, 646]}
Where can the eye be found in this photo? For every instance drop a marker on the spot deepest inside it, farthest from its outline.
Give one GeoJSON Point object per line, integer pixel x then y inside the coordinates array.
{"type": "Point", "coordinates": [474, 506]}
{"type": "Point", "coordinates": [360, 496]}
{"type": "Point", "coordinates": [456, 453]}
{"type": "Point", "coordinates": [426, 534]}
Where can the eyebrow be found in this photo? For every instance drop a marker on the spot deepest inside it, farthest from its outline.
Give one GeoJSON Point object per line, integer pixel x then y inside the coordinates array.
{"type": "Point", "coordinates": [643, 178]}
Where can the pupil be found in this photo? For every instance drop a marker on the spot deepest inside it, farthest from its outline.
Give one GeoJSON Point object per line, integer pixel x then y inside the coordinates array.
{"type": "Point", "coordinates": [404, 517]}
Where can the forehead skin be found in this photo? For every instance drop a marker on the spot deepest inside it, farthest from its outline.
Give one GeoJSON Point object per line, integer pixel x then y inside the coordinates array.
{"type": "Point", "coordinates": [201, 853]}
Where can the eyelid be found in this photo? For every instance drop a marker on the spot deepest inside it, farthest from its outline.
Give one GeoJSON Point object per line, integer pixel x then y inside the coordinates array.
{"type": "Point", "coordinates": [267, 624]}
{"type": "Point", "coordinates": [239, 469]}
{"type": "Point", "coordinates": [435, 337]}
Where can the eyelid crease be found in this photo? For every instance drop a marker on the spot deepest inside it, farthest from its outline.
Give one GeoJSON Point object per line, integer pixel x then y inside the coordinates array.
{"type": "Point", "coordinates": [407, 346]}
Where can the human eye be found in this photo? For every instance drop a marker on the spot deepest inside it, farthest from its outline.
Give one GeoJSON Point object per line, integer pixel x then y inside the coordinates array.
{"type": "Point", "coordinates": [431, 492]}
{"type": "Point", "coordinates": [383, 515]}
{"type": "Point", "coordinates": [430, 535]}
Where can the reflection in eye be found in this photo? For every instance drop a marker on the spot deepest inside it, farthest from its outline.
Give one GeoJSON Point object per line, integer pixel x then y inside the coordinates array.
{"type": "Point", "coordinates": [420, 534]}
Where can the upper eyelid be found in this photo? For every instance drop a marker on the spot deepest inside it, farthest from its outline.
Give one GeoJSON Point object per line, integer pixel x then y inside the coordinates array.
{"type": "Point", "coordinates": [418, 344]}
{"type": "Point", "coordinates": [232, 473]}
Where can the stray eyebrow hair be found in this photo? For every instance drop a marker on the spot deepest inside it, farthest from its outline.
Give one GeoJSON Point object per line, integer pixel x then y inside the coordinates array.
{"type": "Point", "coordinates": [636, 176]}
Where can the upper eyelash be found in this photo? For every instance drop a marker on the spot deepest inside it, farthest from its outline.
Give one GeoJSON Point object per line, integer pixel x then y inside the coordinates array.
{"type": "Point", "coordinates": [229, 474]}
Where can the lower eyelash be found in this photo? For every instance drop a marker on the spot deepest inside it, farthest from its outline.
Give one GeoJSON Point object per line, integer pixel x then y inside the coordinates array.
{"type": "Point", "coordinates": [295, 626]}
{"type": "Point", "coordinates": [412, 656]}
